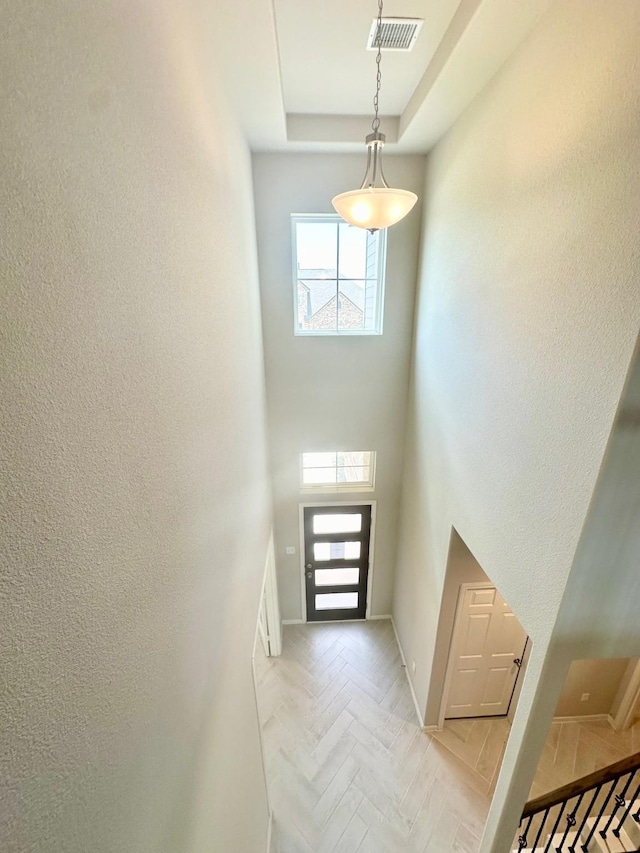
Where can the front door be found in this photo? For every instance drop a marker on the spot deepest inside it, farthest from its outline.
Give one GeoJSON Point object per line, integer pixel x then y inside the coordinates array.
{"type": "Point", "coordinates": [488, 646]}
{"type": "Point", "coordinates": [336, 546]}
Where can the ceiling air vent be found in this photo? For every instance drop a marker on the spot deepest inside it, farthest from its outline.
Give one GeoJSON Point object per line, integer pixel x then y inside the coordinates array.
{"type": "Point", "coordinates": [395, 33]}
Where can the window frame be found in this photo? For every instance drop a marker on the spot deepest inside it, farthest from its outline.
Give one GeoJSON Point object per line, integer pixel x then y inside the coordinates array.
{"type": "Point", "coordinates": [352, 487]}
{"type": "Point", "coordinates": [380, 281]}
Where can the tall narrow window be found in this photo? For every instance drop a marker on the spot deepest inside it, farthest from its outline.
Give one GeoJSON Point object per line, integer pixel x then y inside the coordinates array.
{"type": "Point", "coordinates": [338, 277]}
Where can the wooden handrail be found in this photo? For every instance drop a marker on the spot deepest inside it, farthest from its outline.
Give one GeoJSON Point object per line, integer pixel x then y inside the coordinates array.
{"type": "Point", "coordinates": [586, 783]}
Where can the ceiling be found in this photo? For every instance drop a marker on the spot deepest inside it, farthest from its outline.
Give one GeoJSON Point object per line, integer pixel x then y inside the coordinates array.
{"type": "Point", "coordinates": [325, 66]}
{"type": "Point", "coordinates": [301, 79]}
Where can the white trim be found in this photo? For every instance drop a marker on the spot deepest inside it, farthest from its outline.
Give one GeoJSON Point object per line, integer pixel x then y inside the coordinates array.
{"type": "Point", "coordinates": [406, 671]}
{"type": "Point", "coordinates": [255, 685]}
{"type": "Point", "coordinates": [269, 607]}
{"type": "Point", "coordinates": [334, 621]}
{"type": "Point", "coordinates": [622, 719]}
{"type": "Point", "coordinates": [260, 601]}
{"type": "Point", "coordinates": [263, 631]}
{"type": "Point", "coordinates": [269, 832]}
{"type": "Point", "coordinates": [271, 602]}
{"type": "Point", "coordinates": [328, 621]}
{"type": "Point", "coordinates": [586, 718]}
{"type": "Point", "coordinates": [354, 487]}
{"type": "Point", "coordinates": [451, 662]}
{"type": "Point", "coordinates": [372, 539]}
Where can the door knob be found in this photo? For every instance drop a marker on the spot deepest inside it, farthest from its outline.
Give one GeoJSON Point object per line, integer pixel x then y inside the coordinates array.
{"type": "Point", "coordinates": [308, 565]}
{"type": "Point", "coordinates": [309, 574]}
{"type": "Point", "coordinates": [518, 662]}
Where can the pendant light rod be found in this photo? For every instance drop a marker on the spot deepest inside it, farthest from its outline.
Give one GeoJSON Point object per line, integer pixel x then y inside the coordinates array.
{"type": "Point", "coordinates": [375, 143]}
{"type": "Point", "coordinates": [374, 207]}
{"type": "Point", "coordinates": [375, 140]}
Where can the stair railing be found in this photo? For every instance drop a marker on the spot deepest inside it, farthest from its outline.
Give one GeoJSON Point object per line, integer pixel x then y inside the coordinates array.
{"type": "Point", "coordinates": [577, 801]}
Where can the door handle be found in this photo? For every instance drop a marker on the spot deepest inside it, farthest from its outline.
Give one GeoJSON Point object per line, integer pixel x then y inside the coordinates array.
{"type": "Point", "coordinates": [309, 574]}
{"type": "Point", "coordinates": [308, 565]}
{"type": "Point", "coordinates": [518, 662]}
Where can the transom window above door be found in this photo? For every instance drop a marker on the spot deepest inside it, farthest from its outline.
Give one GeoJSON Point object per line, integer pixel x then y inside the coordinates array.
{"type": "Point", "coordinates": [340, 471]}
{"type": "Point", "coordinates": [338, 277]}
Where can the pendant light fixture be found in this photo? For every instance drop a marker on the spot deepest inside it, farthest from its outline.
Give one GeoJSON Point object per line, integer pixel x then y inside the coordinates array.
{"type": "Point", "coordinates": [375, 207]}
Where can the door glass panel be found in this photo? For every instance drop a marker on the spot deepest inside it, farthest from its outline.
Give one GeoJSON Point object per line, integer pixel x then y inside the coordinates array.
{"type": "Point", "coordinates": [336, 551]}
{"type": "Point", "coordinates": [334, 600]}
{"type": "Point", "coordinates": [337, 523]}
{"type": "Point", "coordinates": [336, 577]}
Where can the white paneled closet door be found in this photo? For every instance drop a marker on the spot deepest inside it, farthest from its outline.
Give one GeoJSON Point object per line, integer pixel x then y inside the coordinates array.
{"type": "Point", "coordinates": [487, 650]}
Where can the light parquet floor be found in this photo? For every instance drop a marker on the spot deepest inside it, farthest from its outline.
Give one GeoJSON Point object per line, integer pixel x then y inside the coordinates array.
{"type": "Point", "coordinates": [572, 749]}
{"type": "Point", "coordinates": [348, 768]}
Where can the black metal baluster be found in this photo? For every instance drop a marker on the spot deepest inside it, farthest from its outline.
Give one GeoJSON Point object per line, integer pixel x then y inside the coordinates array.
{"type": "Point", "coordinates": [585, 846]}
{"type": "Point", "coordinates": [620, 800]}
{"type": "Point", "coordinates": [555, 827]}
{"type": "Point", "coordinates": [522, 840]}
{"type": "Point", "coordinates": [542, 823]}
{"type": "Point", "coordinates": [571, 821]}
{"type": "Point", "coordinates": [586, 815]}
{"type": "Point", "coordinates": [616, 831]}
{"type": "Point", "coordinates": [623, 776]}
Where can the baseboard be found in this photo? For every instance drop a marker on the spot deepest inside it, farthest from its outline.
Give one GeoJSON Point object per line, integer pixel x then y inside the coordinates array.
{"type": "Point", "coordinates": [269, 832]}
{"type": "Point", "coordinates": [586, 718]}
{"type": "Point", "coordinates": [429, 729]}
{"type": "Point", "coordinates": [325, 622]}
{"type": "Point", "coordinates": [406, 670]}
{"type": "Point", "coordinates": [328, 622]}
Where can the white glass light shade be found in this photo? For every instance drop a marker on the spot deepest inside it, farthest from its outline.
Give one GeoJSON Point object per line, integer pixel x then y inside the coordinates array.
{"type": "Point", "coordinates": [374, 207]}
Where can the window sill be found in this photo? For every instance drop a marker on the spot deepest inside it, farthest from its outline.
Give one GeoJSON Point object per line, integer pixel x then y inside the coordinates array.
{"type": "Point", "coordinates": [356, 488]}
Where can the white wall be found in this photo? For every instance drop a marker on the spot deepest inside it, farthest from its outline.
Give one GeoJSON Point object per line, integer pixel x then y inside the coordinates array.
{"type": "Point", "coordinates": [136, 506]}
{"type": "Point", "coordinates": [527, 318]}
{"type": "Point", "coordinates": [601, 679]}
{"type": "Point", "coordinates": [333, 393]}
{"type": "Point", "coordinates": [598, 612]}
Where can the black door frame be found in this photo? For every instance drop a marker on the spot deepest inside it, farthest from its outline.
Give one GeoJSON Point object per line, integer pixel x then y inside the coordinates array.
{"type": "Point", "coordinates": [370, 568]}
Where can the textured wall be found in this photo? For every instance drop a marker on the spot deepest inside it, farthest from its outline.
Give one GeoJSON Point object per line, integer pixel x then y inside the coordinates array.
{"type": "Point", "coordinates": [328, 393]}
{"type": "Point", "coordinates": [527, 317]}
{"type": "Point", "coordinates": [599, 678]}
{"type": "Point", "coordinates": [135, 499]}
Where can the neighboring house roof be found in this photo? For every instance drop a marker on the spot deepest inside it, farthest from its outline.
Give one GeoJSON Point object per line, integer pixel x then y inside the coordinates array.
{"type": "Point", "coordinates": [321, 287]}
{"type": "Point", "coordinates": [345, 302]}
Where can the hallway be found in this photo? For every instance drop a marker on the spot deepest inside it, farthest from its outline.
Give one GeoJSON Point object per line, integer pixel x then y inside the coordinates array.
{"type": "Point", "coordinates": [348, 769]}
